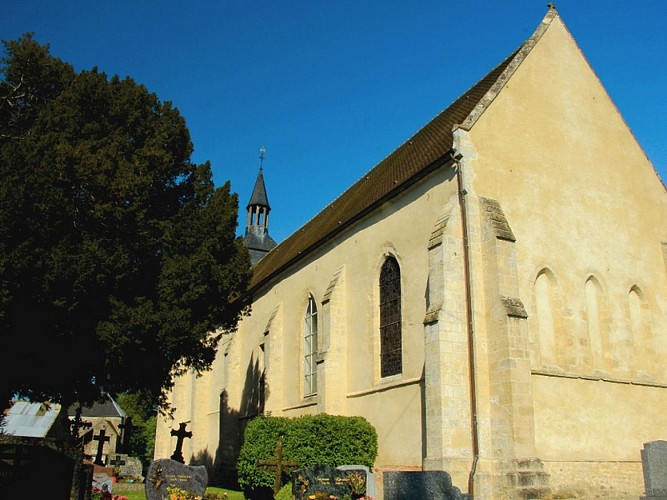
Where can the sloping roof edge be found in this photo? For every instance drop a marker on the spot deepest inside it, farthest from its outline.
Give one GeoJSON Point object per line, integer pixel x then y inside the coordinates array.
{"type": "Point", "coordinates": [503, 78]}
{"type": "Point", "coordinates": [427, 150]}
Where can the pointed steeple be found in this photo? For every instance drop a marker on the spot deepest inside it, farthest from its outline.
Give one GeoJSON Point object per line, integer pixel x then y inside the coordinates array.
{"type": "Point", "coordinates": [259, 198]}
{"type": "Point", "coordinates": [257, 237]}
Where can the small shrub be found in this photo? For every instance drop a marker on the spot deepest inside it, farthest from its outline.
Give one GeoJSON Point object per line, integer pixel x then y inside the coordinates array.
{"type": "Point", "coordinates": [308, 440]}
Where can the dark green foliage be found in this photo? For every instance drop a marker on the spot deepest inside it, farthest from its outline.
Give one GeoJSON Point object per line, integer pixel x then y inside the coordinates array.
{"type": "Point", "coordinates": [141, 408]}
{"type": "Point", "coordinates": [118, 256]}
{"type": "Point", "coordinates": [259, 443]}
{"type": "Point", "coordinates": [308, 440]}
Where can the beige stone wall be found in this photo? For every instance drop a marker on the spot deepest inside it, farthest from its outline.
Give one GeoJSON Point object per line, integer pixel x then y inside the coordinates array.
{"type": "Point", "coordinates": [344, 275]}
{"type": "Point", "coordinates": [589, 215]}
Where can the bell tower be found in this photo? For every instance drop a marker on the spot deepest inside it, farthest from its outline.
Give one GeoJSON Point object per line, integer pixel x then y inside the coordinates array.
{"type": "Point", "coordinates": [257, 238]}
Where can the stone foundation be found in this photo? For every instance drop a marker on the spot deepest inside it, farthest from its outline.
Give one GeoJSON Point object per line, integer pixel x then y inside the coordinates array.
{"type": "Point", "coordinates": [589, 480]}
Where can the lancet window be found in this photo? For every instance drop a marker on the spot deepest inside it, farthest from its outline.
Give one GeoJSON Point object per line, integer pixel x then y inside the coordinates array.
{"type": "Point", "coordinates": [310, 348]}
{"type": "Point", "coordinates": [391, 356]}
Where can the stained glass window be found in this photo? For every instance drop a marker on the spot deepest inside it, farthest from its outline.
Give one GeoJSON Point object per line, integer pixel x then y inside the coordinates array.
{"type": "Point", "coordinates": [391, 357]}
{"type": "Point", "coordinates": [310, 349]}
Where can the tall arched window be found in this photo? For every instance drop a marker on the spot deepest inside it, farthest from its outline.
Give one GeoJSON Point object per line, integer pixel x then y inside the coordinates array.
{"type": "Point", "coordinates": [391, 357]}
{"type": "Point", "coordinates": [310, 349]}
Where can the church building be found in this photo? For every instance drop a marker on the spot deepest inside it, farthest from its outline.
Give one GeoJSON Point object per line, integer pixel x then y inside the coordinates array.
{"type": "Point", "coordinates": [491, 297]}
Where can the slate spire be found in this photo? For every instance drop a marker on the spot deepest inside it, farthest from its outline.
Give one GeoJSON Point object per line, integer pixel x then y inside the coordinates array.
{"type": "Point", "coordinates": [257, 238]}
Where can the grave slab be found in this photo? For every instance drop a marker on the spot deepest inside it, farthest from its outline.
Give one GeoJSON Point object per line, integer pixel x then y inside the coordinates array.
{"type": "Point", "coordinates": [166, 472]}
{"type": "Point", "coordinates": [319, 479]}
{"type": "Point", "coordinates": [654, 465]}
{"type": "Point", "coordinates": [431, 484]}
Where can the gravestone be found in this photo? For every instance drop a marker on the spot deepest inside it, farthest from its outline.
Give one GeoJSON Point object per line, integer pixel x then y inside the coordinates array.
{"type": "Point", "coordinates": [132, 468]}
{"type": "Point", "coordinates": [654, 464]}
{"type": "Point", "coordinates": [166, 472]}
{"type": "Point", "coordinates": [370, 477]}
{"type": "Point", "coordinates": [431, 484]}
{"type": "Point", "coordinates": [326, 479]}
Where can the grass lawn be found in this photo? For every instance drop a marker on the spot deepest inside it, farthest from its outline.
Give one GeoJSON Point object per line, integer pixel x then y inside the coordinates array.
{"type": "Point", "coordinates": [140, 495]}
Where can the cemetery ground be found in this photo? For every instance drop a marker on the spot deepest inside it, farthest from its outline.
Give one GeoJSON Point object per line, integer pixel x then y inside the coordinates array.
{"type": "Point", "coordinates": [134, 494]}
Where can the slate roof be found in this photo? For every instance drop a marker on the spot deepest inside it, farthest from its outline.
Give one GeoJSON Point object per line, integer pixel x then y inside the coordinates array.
{"type": "Point", "coordinates": [259, 196]}
{"type": "Point", "coordinates": [106, 408]}
{"type": "Point", "coordinates": [429, 149]}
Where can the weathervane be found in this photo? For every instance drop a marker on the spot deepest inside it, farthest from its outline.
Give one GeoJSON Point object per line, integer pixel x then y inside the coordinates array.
{"type": "Point", "coordinates": [262, 150]}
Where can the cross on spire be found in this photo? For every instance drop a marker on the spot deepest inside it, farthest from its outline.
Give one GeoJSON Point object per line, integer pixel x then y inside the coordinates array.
{"type": "Point", "coordinates": [262, 150]}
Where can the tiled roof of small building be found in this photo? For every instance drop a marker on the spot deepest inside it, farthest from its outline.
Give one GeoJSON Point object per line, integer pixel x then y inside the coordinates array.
{"type": "Point", "coordinates": [106, 408]}
{"type": "Point", "coordinates": [427, 150]}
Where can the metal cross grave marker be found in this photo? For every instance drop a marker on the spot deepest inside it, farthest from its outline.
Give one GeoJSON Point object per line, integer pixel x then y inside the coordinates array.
{"type": "Point", "coordinates": [279, 466]}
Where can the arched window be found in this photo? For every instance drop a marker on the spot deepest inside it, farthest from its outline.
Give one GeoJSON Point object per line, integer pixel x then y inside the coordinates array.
{"type": "Point", "coordinates": [310, 349]}
{"type": "Point", "coordinates": [391, 357]}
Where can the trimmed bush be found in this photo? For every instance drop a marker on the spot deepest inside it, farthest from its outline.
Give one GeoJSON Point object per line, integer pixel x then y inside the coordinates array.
{"type": "Point", "coordinates": [259, 443]}
{"type": "Point", "coordinates": [308, 440]}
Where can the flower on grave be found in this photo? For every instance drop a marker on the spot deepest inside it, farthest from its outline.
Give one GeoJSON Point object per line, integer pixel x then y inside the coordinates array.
{"type": "Point", "coordinates": [176, 493]}
{"type": "Point", "coordinates": [320, 495]}
{"type": "Point", "coordinates": [357, 482]}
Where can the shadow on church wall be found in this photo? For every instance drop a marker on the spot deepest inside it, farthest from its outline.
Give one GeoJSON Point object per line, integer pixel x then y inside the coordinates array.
{"type": "Point", "coordinates": [232, 424]}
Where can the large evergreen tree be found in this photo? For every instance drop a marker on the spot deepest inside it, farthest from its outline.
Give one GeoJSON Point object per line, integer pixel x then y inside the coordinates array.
{"type": "Point", "coordinates": [119, 264]}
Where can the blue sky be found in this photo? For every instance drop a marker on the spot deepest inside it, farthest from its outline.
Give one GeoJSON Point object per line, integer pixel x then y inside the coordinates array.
{"type": "Point", "coordinates": [330, 88]}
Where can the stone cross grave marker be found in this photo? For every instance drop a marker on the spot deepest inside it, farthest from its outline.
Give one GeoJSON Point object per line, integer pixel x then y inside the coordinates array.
{"type": "Point", "coordinates": [180, 434]}
{"type": "Point", "coordinates": [278, 466]}
{"type": "Point", "coordinates": [101, 438]}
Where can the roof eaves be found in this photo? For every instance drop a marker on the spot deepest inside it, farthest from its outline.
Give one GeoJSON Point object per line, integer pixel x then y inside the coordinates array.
{"type": "Point", "coordinates": [445, 159]}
